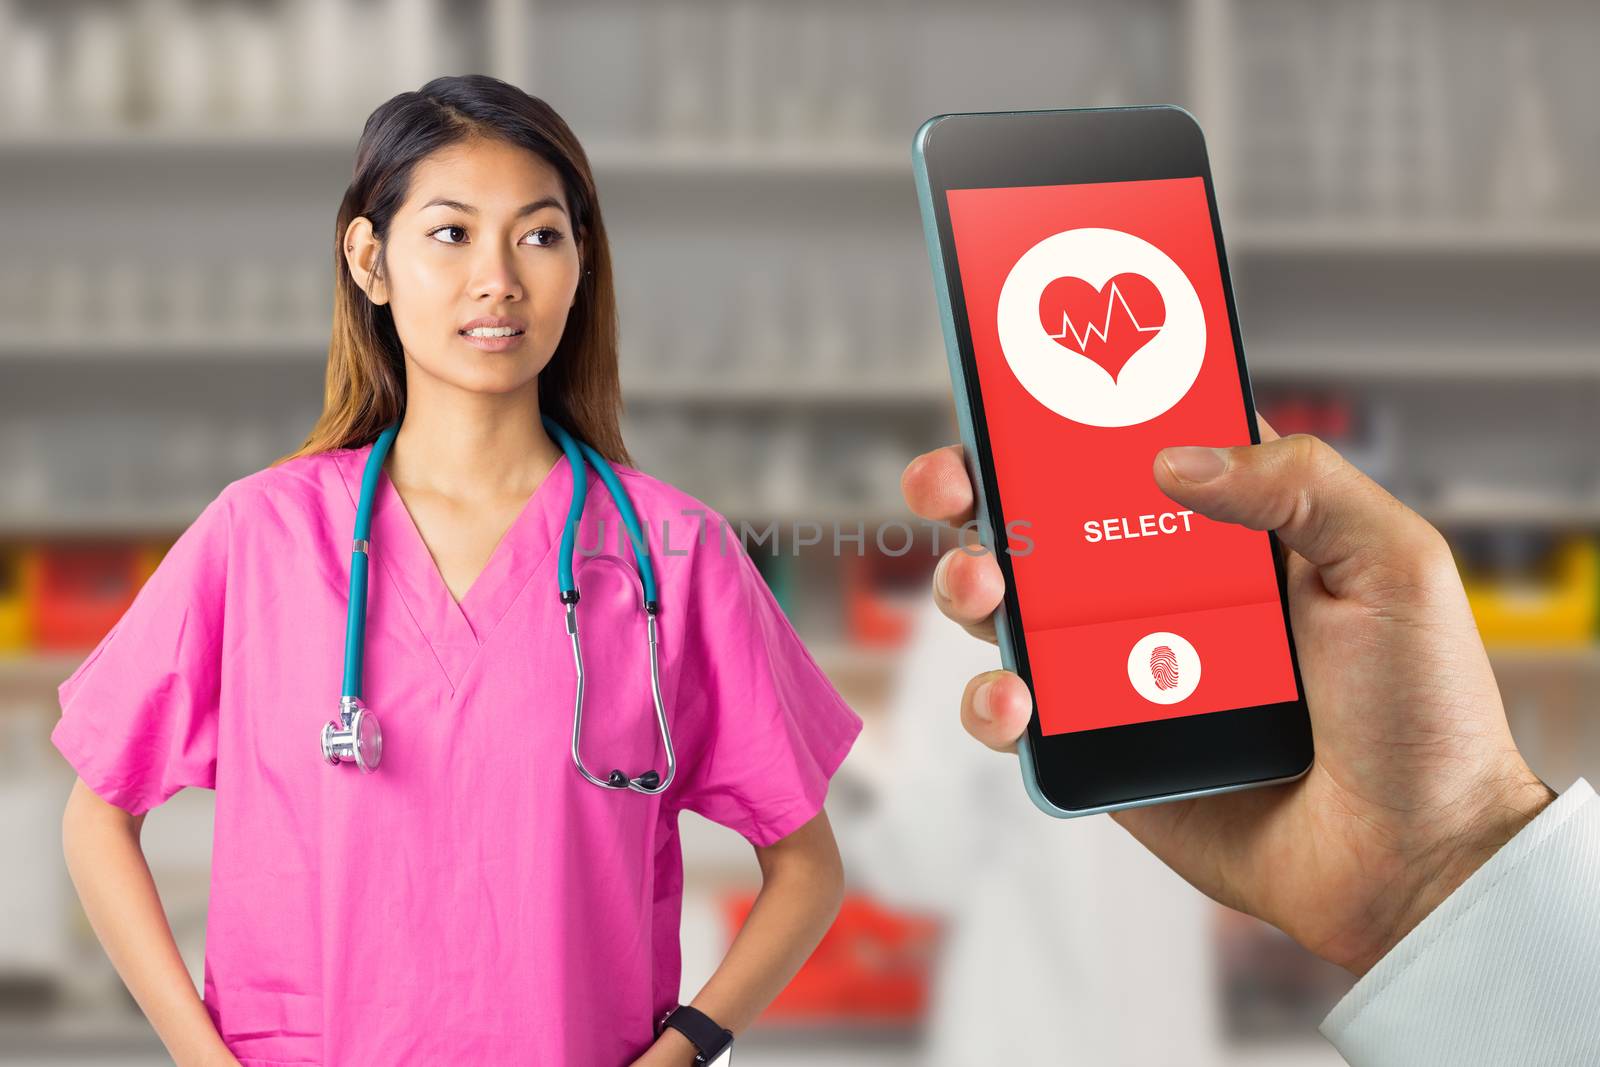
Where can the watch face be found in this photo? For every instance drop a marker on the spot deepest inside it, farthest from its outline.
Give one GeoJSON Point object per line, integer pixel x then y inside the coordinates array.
{"type": "Point", "coordinates": [723, 1058]}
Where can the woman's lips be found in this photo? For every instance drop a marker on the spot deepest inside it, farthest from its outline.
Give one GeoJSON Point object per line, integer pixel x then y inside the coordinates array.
{"type": "Point", "coordinates": [493, 344]}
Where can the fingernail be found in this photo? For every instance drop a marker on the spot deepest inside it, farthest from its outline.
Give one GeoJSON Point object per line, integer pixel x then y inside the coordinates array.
{"type": "Point", "coordinates": [980, 702]}
{"type": "Point", "coordinates": [940, 582]}
{"type": "Point", "coordinates": [1195, 463]}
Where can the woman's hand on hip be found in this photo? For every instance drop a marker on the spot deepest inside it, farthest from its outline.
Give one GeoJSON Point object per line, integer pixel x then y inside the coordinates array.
{"type": "Point", "coordinates": [1416, 780]}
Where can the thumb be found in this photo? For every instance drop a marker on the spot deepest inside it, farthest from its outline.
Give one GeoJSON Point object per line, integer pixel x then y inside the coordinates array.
{"type": "Point", "coordinates": [1320, 506]}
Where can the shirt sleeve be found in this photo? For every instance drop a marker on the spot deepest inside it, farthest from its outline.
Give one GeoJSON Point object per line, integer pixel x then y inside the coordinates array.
{"type": "Point", "coordinates": [771, 729]}
{"type": "Point", "coordinates": [1505, 970]}
{"type": "Point", "coordinates": [139, 715]}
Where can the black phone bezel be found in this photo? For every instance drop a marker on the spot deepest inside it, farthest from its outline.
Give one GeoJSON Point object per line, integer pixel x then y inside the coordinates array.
{"type": "Point", "coordinates": [1164, 758]}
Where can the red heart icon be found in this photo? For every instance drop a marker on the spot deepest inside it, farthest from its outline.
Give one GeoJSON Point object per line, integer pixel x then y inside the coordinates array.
{"type": "Point", "coordinates": [1108, 324]}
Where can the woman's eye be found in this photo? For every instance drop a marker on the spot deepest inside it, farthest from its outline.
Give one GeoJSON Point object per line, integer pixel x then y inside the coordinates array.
{"type": "Point", "coordinates": [544, 236]}
{"type": "Point", "coordinates": [552, 235]}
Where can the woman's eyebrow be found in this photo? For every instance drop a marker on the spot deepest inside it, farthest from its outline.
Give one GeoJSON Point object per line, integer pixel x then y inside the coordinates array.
{"type": "Point", "coordinates": [468, 209]}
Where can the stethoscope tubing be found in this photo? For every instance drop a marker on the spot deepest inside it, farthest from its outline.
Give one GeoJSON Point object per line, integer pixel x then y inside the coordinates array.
{"type": "Point", "coordinates": [354, 736]}
{"type": "Point", "coordinates": [355, 630]}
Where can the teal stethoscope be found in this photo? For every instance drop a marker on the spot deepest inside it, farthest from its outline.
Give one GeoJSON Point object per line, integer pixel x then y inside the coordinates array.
{"type": "Point", "coordinates": [355, 737]}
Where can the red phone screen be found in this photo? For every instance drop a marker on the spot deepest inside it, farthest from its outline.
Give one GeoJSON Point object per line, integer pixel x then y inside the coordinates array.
{"type": "Point", "coordinates": [1101, 334]}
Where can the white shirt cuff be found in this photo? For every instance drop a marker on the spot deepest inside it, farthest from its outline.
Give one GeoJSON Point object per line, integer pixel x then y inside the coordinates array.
{"type": "Point", "coordinates": [1505, 971]}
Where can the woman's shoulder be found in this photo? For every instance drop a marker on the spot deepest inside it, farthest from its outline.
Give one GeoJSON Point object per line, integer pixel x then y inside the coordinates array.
{"type": "Point", "coordinates": [678, 522]}
{"type": "Point", "coordinates": [647, 490]}
{"type": "Point", "coordinates": [313, 481]}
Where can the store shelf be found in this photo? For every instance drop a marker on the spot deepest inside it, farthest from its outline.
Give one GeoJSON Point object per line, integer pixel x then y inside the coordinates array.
{"type": "Point", "coordinates": [1297, 361]}
{"type": "Point", "coordinates": [113, 524]}
{"type": "Point", "coordinates": [77, 1033]}
{"type": "Point", "coordinates": [777, 159]}
{"type": "Point", "coordinates": [1294, 362]}
{"type": "Point", "coordinates": [1513, 510]}
{"type": "Point", "coordinates": [889, 161]}
{"type": "Point", "coordinates": [868, 389]}
{"type": "Point", "coordinates": [100, 523]}
{"type": "Point", "coordinates": [133, 347]}
{"type": "Point", "coordinates": [78, 137]}
{"type": "Point", "coordinates": [1367, 236]}
{"type": "Point", "coordinates": [29, 673]}
{"type": "Point", "coordinates": [1313, 1051]}
{"type": "Point", "coordinates": [1573, 660]}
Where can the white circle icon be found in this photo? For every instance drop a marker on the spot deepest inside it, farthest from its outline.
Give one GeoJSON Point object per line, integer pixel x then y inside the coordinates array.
{"type": "Point", "coordinates": [1163, 667]}
{"type": "Point", "coordinates": [1053, 368]}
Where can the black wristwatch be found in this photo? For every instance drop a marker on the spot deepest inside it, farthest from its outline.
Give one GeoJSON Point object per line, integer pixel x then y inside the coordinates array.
{"type": "Point", "coordinates": [715, 1043]}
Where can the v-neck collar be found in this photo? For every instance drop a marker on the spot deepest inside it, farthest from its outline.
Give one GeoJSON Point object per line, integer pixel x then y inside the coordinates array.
{"type": "Point", "coordinates": [455, 631]}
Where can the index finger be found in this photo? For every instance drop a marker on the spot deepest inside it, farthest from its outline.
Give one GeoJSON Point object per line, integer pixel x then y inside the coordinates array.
{"type": "Point", "coordinates": [936, 487]}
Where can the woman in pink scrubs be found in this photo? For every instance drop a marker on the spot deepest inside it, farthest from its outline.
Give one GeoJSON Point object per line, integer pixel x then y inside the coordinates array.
{"type": "Point", "coordinates": [474, 900]}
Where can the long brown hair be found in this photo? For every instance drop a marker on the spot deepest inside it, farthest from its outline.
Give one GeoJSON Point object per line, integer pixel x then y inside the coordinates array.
{"type": "Point", "coordinates": [365, 387]}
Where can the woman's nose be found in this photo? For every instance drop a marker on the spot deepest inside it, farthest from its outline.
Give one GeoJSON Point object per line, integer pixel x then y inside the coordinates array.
{"type": "Point", "coordinates": [496, 276]}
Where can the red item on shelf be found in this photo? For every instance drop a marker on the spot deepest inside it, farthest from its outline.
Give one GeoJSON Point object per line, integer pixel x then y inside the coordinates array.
{"type": "Point", "coordinates": [81, 590]}
{"type": "Point", "coordinates": [1338, 419]}
{"type": "Point", "coordinates": [882, 594]}
{"type": "Point", "coordinates": [873, 966]}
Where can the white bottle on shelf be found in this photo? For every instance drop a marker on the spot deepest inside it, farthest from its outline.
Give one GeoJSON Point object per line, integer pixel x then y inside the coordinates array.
{"type": "Point", "coordinates": [123, 298]}
{"type": "Point", "coordinates": [743, 80]}
{"type": "Point", "coordinates": [251, 39]}
{"type": "Point", "coordinates": [33, 938]}
{"type": "Point", "coordinates": [825, 338]}
{"type": "Point", "coordinates": [854, 112]}
{"type": "Point", "coordinates": [29, 62]}
{"type": "Point", "coordinates": [181, 94]}
{"type": "Point", "coordinates": [684, 93]}
{"type": "Point", "coordinates": [880, 352]}
{"type": "Point", "coordinates": [783, 489]}
{"type": "Point", "coordinates": [1526, 178]}
{"type": "Point", "coordinates": [318, 70]}
{"type": "Point", "coordinates": [414, 27]}
{"type": "Point", "coordinates": [799, 84]}
{"type": "Point", "coordinates": [186, 300]}
{"type": "Point", "coordinates": [760, 345]}
{"type": "Point", "coordinates": [99, 65]}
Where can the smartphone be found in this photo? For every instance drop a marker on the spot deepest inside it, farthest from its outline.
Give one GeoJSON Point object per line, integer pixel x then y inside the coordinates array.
{"type": "Point", "coordinates": [1089, 322]}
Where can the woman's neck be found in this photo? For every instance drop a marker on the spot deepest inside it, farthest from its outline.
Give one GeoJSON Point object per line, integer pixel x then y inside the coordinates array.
{"type": "Point", "coordinates": [481, 448]}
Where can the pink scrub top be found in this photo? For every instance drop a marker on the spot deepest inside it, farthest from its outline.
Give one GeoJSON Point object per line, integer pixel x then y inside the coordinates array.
{"type": "Point", "coordinates": [473, 901]}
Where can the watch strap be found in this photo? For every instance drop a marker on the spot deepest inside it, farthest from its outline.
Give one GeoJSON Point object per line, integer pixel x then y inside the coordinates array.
{"type": "Point", "coordinates": [702, 1031]}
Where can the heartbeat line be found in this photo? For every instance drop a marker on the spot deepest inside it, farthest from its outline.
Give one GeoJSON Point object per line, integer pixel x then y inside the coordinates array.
{"type": "Point", "coordinates": [1090, 330]}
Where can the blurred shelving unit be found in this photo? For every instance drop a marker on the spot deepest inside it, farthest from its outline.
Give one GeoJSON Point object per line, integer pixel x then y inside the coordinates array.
{"type": "Point", "coordinates": [1402, 183]}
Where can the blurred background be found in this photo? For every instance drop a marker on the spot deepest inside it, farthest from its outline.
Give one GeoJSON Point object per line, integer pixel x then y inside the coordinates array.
{"type": "Point", "coordinates": [1407, 193]}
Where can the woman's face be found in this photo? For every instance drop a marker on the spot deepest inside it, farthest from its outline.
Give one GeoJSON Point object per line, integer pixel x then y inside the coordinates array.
{"type": "Point", "coordinates": [482, 246]}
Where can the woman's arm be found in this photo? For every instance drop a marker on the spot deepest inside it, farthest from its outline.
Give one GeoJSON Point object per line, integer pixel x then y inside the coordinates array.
{"type": "Point", "coordinates": [802, 887]}
{"type": "Point", "coordinates": [108, 868]}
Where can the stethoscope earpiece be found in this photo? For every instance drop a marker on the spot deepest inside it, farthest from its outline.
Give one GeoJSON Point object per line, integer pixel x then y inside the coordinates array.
{"type": "Point", "coordinates": [646, 782]}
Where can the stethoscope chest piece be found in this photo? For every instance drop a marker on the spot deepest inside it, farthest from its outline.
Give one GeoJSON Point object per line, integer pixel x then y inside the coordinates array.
{"type": "Point", "coordinates": [353, 737]}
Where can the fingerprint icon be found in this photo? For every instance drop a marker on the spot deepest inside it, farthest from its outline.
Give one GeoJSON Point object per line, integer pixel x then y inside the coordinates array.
{"type": "Point", "coordinates": [1164, 667]}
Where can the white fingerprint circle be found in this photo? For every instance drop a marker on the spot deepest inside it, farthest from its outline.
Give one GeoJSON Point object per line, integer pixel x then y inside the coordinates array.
{"type": "Point", "coordinates": [1075, 386]}
{"type": "Point", "coordinates": [1144, 676]}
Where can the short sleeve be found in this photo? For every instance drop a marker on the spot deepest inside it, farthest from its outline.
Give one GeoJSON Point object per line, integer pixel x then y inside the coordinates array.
{"type": "Point", "coordinates": [139, 715]}
{"type": "Point", "coordinates": [770, 729]}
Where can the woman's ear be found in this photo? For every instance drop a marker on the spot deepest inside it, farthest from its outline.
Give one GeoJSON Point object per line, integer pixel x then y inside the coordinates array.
{"type": "Point", "coordinates": [361, 247]}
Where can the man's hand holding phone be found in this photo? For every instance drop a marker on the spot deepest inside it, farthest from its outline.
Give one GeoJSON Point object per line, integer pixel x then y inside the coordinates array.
{"type": "Point", "coordinates": [1416, 780]}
